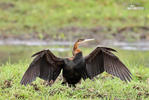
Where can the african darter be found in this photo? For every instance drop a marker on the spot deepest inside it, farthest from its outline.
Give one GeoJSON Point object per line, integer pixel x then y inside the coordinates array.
{"type": "Point", "coordinates": [48, 67]}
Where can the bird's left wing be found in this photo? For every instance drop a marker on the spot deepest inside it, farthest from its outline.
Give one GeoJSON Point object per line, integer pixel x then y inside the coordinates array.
{"type": "Point", "coordinates": [102, 59]}
{"type": "Point", "coordinates": [45, 65]}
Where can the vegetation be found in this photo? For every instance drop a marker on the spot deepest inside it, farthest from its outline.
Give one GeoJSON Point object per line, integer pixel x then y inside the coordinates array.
{"type": "Point", "coordinates": [40, 17]}
{"type": "Point", "coordinates": [102, 87]}
{"type": "Point", "coordinates": [71, 19]}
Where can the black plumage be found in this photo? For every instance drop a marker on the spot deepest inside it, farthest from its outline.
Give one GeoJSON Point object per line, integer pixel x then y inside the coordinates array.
{"type": "Point", "coordinates": [48, 67]}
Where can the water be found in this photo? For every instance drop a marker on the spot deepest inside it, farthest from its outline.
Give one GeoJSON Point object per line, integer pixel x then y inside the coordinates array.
{"type": "Point", "coordinates": [34, 42]}
{"type": "Point", "coordinates": [142, 45]}
{"type": "Point", "coordinates": [15, 50]}
{"type": "Point", "coordinates": [138, 46]}
{"type": "Point", "coordinates": [14, 53]}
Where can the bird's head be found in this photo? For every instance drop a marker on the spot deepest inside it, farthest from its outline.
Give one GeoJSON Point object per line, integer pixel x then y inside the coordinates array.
{"type": "Point", "coordinates": [77, 43]}
{"type": "Point", "coordinates": [81, 41]}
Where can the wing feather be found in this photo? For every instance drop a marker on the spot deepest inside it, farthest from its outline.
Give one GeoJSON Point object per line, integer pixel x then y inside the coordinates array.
{"type": "Point", "coordinates": [110, 64]}
{"type": "Point", "coordinates": [45, 66]}
{"type": "Point", "coordinates": [93, 65]}
{"type": "Point", "coordinates": [102, 59]}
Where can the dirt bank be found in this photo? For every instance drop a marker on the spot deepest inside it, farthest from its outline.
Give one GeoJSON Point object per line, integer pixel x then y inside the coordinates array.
{"type": "Point", "coordinates": [127, 34]}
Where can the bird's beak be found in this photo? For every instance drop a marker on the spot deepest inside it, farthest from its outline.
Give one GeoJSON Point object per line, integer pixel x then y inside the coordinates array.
{"type": "Point", "coordinates": [86, 40]}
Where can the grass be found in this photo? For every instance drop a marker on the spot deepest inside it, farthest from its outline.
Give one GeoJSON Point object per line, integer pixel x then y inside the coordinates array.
{"type": "Point", "coordinates": [104, 87]}
{"type": "Point", "coordinates": [44, 16]}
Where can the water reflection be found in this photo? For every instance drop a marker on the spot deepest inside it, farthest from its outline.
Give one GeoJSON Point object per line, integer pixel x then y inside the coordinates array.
{"type": "Point", "coordinates": [15, 53]}
{"type": "Point", "coordinates": [138, 46]}
{"type": "Point", "coordinates": [141, 45]}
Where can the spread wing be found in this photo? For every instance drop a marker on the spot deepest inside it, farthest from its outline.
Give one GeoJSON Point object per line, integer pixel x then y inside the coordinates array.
{"type": "Point", "coordinates": [45, 65]}
{"type": "Point", "coordinates": [102, 59]}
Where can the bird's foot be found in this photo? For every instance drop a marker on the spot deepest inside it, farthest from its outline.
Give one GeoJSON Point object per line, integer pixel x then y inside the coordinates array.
{"type": "Point", "coordinates": [64, 83]}
{"type": "Point", "coordinates": [72, 85]}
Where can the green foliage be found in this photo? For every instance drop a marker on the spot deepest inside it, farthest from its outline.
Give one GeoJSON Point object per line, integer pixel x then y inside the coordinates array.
{"type": "Point", "coordinates": [31, 16]}
{"type": "Point", "coordinates": [40, 35]}
{"type": "Point", "coordinates": [104, 86]}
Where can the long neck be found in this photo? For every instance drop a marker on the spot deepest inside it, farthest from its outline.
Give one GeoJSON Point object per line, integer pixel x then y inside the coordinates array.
{"type": "Point", "coordinates": [76, 49]}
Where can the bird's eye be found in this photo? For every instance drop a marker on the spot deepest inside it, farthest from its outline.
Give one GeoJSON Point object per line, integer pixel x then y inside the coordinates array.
{"type": "Point", "coordinates": [80, 40]}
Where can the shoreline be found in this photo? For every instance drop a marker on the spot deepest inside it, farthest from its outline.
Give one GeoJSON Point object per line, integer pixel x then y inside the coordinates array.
{"type": "Point", "coordinates": [137, 45]}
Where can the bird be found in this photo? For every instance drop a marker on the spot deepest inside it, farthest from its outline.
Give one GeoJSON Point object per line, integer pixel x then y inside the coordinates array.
{"type": "Point", "coordinates": [48, 67]}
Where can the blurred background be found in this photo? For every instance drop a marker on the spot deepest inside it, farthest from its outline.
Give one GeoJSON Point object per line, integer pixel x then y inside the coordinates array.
{"type": "Point", "coordinates": [27, 26]}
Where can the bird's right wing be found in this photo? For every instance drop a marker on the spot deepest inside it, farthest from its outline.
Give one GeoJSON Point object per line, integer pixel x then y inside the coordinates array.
{"type": "Point", "coordinates": [45, 65]}
{"type": "Point", "coordinates": [102, 59]}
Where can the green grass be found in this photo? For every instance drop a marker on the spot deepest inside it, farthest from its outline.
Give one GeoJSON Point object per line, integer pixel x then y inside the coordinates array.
{"type": "Point", "coordinates": [47, 16]}
{"type": "Point", "coordinates": [103, 87]}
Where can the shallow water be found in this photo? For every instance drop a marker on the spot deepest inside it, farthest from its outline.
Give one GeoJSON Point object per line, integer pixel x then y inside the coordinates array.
{"type": "Point", "coordinates": [138, 46]}
{"type": "Point", "coordinates": [20, 52]}
{"type": "Point", "coordinates": [34, 42]}
{"type": "Point", "coordinates": [14, 51]}
{"type": "Point", "coordinates": [141, 45]}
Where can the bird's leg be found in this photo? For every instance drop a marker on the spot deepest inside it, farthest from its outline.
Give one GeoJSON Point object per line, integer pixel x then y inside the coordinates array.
{"type": "Point", "coordinates": [72, 85]}
{"type": "Point", "coordinates": [64, 81]}
{"type": "Point", "coordinates": [69, 85]}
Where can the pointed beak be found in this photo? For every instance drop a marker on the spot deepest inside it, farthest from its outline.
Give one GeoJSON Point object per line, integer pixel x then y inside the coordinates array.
{"type": "Point", "coordinates": [86, 40]}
